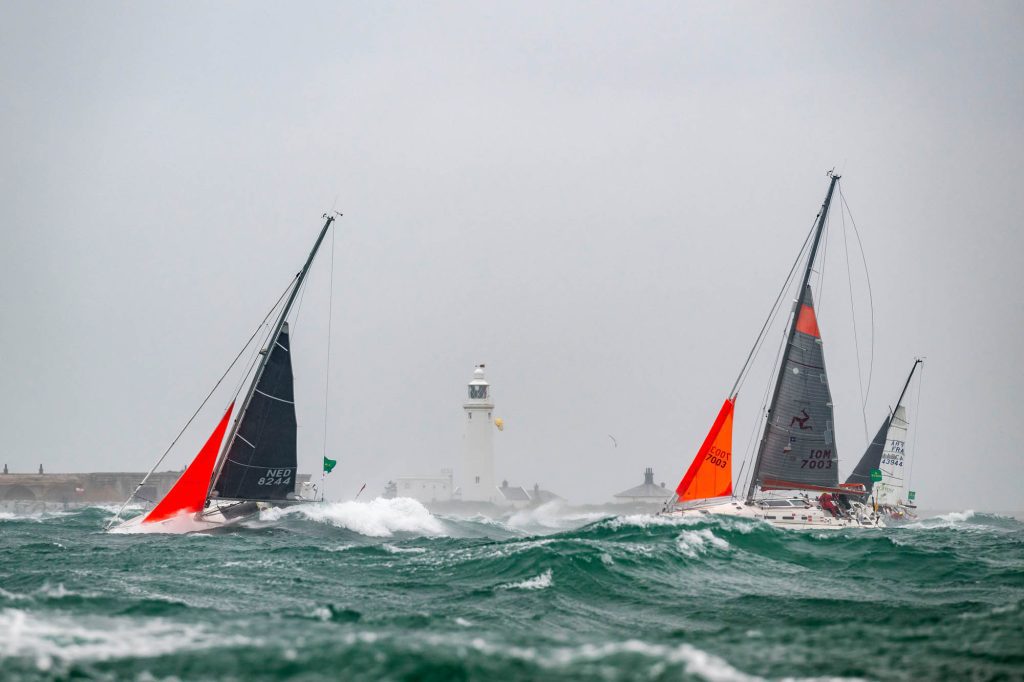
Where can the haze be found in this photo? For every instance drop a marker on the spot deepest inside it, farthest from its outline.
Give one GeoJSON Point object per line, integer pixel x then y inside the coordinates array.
{"type": "Point", "coordinates": [597, 200]}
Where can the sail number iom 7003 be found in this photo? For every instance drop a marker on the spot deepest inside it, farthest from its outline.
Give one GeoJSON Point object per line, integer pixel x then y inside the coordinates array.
{"type": "Point", "coordinates": [819, 459]}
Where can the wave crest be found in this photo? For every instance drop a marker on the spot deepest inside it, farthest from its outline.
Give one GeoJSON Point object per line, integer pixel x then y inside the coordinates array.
{"type": "Point", "coordinates": [378, 518]}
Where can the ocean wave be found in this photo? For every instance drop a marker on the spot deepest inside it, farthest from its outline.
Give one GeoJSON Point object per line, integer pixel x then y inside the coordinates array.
{"type": "Point", "coordinates": [538, 582]}
{"type": "Point", "coordinates": [695, 542]}
{"type": "Point", "coordinates": [554, 515]}
{"type": "Point", "coordinates": [52, 640]}
{"type": "Point", "coordinates": [379, 518]}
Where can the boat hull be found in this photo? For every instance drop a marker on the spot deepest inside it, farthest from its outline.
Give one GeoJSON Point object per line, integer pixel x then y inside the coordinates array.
{"type": "Point", "coordinates": [792, 512]}
{"type": "Point", "coordinates": [216, 516]}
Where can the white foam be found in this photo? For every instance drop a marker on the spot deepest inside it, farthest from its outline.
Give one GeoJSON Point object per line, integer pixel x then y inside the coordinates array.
{"type": "Point", "coordinates": [180, 524]}
{"type": "Point", "coordinates": [63, 639]}
{"type": "Point", "coordinates": [947, 520]}
{"type": "Point", "coordinates": [379, 518]}
{"type": "Point", "coordinates": [693, 660]}
{"type": "Point", "coordinates": [402, 550]}
{"type": "Point", "coordinates": [37, 516]}
{"type": "Point", "coordinates": [694, 542]}
{"type": "Point", "coordinates": [957, 517]}
{"type": "Point", "coordinates": [538, 582]}
{"type": "Point", "coordinates": [553, 515]}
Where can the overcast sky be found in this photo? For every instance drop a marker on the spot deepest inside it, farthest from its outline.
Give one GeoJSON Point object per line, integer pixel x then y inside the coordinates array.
{"type": "Point", "coordinates": [599, 200]}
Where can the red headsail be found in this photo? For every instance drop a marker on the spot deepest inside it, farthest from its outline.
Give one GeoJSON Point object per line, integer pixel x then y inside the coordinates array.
{"type": "Point", "coordinates": [189, 491]}
{"type": "Point", "coordinates": [710, 474]}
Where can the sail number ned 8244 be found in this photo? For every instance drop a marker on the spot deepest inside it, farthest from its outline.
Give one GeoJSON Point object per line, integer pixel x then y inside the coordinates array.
{"type": "Point", "coordinates": [276, 477]}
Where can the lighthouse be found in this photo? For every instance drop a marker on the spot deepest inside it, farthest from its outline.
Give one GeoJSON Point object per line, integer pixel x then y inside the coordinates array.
{"type": "Point", "coordinates": [478, 442]}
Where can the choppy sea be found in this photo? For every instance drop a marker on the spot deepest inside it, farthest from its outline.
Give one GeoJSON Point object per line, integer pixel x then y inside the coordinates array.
{"type": "Point", "coordinates": [386, 590]}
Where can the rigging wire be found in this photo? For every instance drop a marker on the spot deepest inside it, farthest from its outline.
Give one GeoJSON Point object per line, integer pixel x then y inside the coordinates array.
{"type": "Point", "coordinates": [327, 382]}
{"type": "Point", "coordinates": [856, 342]}
{"type": "Point", "coordinates": [755, 349]}
{"type": "Point", "coordinates": [198, 409]}
{"type": "Point", "coordinates": [871, 297]}
{"type": "Point", "coordinates": [917, 418]}
{"type": "Point", "coordinates": [764, 407]}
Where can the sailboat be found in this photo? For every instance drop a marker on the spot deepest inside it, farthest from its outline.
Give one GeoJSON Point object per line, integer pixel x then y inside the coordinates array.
{"type": "Point", "coordinates": [794, 481]}
{"type": "Point", "coordinates": [247, 464]}
{"type": "Point", "coordinates": [881, 468]}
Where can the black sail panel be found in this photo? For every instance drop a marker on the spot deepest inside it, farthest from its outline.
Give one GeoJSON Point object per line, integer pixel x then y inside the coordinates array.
{"type": "Point", "coordinates": [800, 434]}
{"type": "Point", "coordinates": [261, 462]}
{"type": "Point", "coordinates": [871, 459]}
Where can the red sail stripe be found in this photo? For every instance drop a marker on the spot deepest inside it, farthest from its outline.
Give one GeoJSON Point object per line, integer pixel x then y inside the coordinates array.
{"type": "Point", "coordinates": [808, 322]}
{"type": "Point", "coordinates": [189, 492]}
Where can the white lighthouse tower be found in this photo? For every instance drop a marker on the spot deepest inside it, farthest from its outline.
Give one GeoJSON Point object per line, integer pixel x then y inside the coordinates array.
{"type": "Point", "coordinates": [478, 442]}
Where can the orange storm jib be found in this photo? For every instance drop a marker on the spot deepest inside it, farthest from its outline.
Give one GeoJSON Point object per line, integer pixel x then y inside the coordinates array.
{"type": "Point", "coordinates": [710, 473]}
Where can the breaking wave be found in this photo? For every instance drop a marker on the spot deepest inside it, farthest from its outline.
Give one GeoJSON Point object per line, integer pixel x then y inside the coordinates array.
{"type": "Point", "coordinates": [378, 518]}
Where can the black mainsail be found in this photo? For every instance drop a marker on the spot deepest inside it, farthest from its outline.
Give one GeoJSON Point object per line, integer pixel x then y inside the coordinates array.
{"type": "Point", "coordinates": [261, 462]}
{"type": "Point", "coordinates": [797, 449]}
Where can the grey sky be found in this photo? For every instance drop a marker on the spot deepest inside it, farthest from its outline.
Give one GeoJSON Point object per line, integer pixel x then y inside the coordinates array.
{"type": "Point", "coordinates": [598, 200]}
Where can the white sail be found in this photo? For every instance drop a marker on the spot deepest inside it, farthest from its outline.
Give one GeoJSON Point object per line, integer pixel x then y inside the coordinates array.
{"type": "Point", "coordinates": [889, 491]}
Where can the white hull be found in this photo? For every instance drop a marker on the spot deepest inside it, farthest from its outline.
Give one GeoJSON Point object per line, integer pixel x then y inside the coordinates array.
{"type": "Point", "coordinates": [788, 512]}
{"type": "Point", "coordinates": [217, 515]}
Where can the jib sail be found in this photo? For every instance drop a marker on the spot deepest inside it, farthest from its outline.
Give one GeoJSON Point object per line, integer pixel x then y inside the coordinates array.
{"type": "Point", "coordinates": [260, 463]}
{"type": "Point", "coordinates": [188, 494]}
{"type": "Point", "coordinates": [710, 473]}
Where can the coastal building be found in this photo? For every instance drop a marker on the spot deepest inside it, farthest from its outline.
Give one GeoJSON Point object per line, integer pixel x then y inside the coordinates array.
{"type": "Point", "coordinates": [646, 493]}
{"type": "Point", "coordinates": [513, 495]}
{"type": "Point", "coordinates": [519, 497]}
{"type": "Point", "coordinates": [477, 474]}
{"type": "Point", "coordinates": [437, 488]}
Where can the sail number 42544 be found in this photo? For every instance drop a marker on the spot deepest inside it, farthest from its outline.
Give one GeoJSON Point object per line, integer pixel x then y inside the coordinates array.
{"type": "Point", "coordinates": [276, 477]}
{"type": "Point", "coordinates": [819, 459]}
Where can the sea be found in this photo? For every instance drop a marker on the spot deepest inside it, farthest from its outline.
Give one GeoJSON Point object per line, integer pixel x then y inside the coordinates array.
{"type": "Point", "coordinates": [386, 590]}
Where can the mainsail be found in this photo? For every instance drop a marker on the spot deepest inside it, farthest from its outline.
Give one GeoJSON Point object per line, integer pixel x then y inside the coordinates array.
{"type": "Point", "coordinates": [710, 473]}
{"type": "Point", "coordinates": [797, 449]}
{"type": "Point", "coordinates": [188, 494]}
{"type": "Point", "coordinates": [261, 458]}
{"type": "Point", "coordinates": [799, 441]}
{"type": "Point", "coordinates": [871, 458]}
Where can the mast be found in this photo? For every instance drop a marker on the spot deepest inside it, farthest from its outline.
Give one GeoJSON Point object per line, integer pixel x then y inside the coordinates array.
{"type": "Point", "coordinates": [265, 353]}
{"type": "Point", "coordinates": [822, 215]}
{"type": "Point", "coordinates": [917, 361]}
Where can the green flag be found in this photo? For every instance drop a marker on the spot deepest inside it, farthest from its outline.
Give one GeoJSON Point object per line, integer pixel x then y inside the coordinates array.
{"type": "Point", "coordinates": [329, 465]}
{"type": "Point", "coordinates": [876, 475]}
{"type": "Point", "coordinates": [911, 495]}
